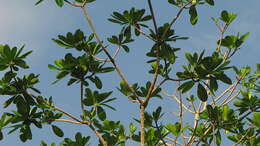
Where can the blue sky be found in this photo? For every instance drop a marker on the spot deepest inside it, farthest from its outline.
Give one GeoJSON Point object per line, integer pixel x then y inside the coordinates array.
{"type": "Point", "coordinates": [23, 23]}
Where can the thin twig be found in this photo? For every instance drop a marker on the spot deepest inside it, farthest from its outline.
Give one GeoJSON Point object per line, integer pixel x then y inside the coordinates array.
{"type": "Point", "coordinates": [230, 94]}
{"type": "Point", "coordinates": [174, 97]}
{"type": "Point", "coordinates": [181, 113]}
{"type": "Point", "coordinates": [107, 60]}
{"type": "Point", "coordinates": [143, 33]}
{"type": "Point", "coordinates": [148, 96]}
{"type": "Point", "coordinates": [227, 90]}
{"type": "Point", "coordinates": [173, 140]}
{"type": "Point", "coordinates": [232, 98]}
{"type": "Point", "coordinates": [174, 19]}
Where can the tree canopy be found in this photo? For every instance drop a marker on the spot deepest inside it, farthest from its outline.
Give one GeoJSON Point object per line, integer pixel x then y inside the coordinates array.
{"type": "Point", "coordinates": [216, 100]}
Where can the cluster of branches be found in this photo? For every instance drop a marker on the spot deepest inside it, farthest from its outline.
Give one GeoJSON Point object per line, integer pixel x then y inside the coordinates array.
{"type": "Point", "coordinates": [209, 106]}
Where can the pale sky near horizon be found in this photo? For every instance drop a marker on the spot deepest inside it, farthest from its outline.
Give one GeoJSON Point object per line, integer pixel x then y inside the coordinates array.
{"type": "Point", "coordinates": [23, 23]}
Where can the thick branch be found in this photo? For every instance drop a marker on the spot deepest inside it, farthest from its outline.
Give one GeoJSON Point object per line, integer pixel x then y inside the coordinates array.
{"type": "Point", "coordinates": [142, 118]}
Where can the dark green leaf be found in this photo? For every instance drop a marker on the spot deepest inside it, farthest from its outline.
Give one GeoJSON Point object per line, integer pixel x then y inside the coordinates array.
{"type": "Point", "coordinates": [210, 2]}
{"type": "Point", "coordinates": [193, 15]}
{"type": "Point", "coordinates": [213, 84]}
{"type": "Point", "coordinates": [202, 93]}
{"type": "Point", "coordinates": [71, 81]}
{"type": "Point", "coordinates": [126, 48]}
{"type": "Point", "coordinates": [224, 78]}
{"type": "Point", "coordinates": [186, 86]}
{"type": "Point", "coordinates": [57, 131]}
{"type": "Point", "coordinates": [218, 138]}
{"type": "Point", "coordinates": [101, 113]}
{"type": "Point", "coordinates": [38, 2]}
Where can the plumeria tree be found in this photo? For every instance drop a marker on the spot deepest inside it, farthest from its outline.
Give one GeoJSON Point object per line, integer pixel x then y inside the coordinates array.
{"type": "Point", "coordinates": [217, 112]}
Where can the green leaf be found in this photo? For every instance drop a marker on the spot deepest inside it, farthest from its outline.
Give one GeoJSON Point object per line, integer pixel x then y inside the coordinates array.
{"type": "Point", "coordinates": [126, 48]}
{"type": "Point", "coordinates": [193, 15]}
{"type": "Point", "coordinates": [101, 113]}
{"type": "Point", "coordinates": [38, 2]}
{"type": "Point", "coordinates": [175, 129]}
{"type": "Point", "coordinates": [157, 113]}
{"type": "Point", "coordinates": [243, 37]}
{"type": "Point", "coordinates": [186, 86]}
{"type": "Point", "coordinates": [218, 138]}
{"type": "Point", "coordinates": [213, 84]}
{"type": "Point", "coordinates": [224, 16]}
{"type": "Point", "coordinates": [228, 17]}
{"type": "Point", "coordinates": [71, 81]}
{"type": "Point", "coordinates": [227, 113]}
{"type": "Point", "coordinates": [224, 78]}
{"type": "Point", "coordinates": [210, 2]}
{"type": "Point", "coordinates": [256, 119]}
{"type": "Point", "coordinates": [132, 128]}
{"type": "Point", "coordinates": [57, 131]}
{"type": "Point", "coordinates": [62, 74]}
{"type": "Point", "coordinates": [202, 93]}
{"type": "Point", "coordinates": [98, 82]}
{"type": "Point", "coordinates": [59, 3]}
{"type": "Point", "coordinates": [102, 96]}
{"type": "Point", "coordinates": [52, 67]}
{"type": "Point", "coordinates": [43, 143]}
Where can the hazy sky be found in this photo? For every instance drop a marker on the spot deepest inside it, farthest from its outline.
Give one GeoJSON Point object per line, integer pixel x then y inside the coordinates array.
{"type": "Point", "coordinates": [23, 23]}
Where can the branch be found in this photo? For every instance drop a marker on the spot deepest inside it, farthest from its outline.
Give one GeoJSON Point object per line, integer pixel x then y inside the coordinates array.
{"type": "Point", "coordinates": [107, 60]}
{"type": "Point", "coordinates": [98, 135]}
{"type": "Point", "coordinates": [143, 33]}
{"type": "Point", "coordinates": [68, 121]}
{"type": "Point", "coordinates": [142, 118]}
{"type": "Point", "coordinates": [232, 87]}
{"type": "Point", "coordinates": [174, 19]}
{"type": "Point", "coordinates": [225, 102]}
{"type": "Point", "coordinates": [174, 97]}
{"type": "Point", "coordinates": [181, 113]}
{"type": "Point", "coordinates": [173, 140]}
{"type": "Point", "coordinates": [91, 25]}
{"type": "Point", "coordinates": [157, 56]}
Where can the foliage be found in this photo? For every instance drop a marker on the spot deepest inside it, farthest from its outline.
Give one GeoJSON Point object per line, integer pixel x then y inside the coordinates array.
{"type": "Point", "coordinates": [199, 80]}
